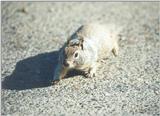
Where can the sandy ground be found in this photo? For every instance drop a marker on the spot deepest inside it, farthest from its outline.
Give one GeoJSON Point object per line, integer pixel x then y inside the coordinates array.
{"type": "Point", "coordinates": [126, 85]}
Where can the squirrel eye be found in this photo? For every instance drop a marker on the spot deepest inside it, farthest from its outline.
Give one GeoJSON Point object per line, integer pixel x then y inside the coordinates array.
{"type": "Point", "coordinates": [76, 55]}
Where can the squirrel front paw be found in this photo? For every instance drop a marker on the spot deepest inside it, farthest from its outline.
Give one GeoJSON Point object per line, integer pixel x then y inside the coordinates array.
{"type": "Point", "coordinates": [57, 79]}
{"type": "Point", "coordinates": [90, 73]}
{"type": "Point", "coordinates": [55, 82]}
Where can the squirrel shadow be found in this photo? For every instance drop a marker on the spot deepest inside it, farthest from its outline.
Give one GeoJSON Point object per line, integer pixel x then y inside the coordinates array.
{"type": "Point", "coordinates": [34, 72]}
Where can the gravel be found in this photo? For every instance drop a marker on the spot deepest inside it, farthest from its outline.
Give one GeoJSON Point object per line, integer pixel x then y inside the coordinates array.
{"type": "Point", "coordinates": [127, 85]}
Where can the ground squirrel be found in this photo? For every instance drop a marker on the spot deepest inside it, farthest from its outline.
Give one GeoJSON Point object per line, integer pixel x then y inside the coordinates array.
{"type": "Point", "coordinates": [84, 48]}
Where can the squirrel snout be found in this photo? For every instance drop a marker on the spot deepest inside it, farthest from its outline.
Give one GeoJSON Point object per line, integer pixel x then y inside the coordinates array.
{"type": "Point", "coordinates": [66, 64]}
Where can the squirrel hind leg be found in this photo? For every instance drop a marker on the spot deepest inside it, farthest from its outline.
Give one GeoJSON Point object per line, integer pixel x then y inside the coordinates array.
{"type": "Point", "coordinates": [115, 49]}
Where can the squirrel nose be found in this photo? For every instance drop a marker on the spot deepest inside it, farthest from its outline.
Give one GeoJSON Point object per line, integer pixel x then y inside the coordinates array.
{"type": "Point", "coordinates": [66, 64]}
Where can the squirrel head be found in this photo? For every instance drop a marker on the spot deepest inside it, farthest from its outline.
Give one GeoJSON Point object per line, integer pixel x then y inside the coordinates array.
{"type": "Point", "coordinates": [73, 54]}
